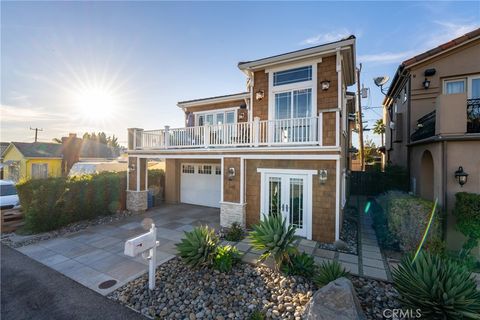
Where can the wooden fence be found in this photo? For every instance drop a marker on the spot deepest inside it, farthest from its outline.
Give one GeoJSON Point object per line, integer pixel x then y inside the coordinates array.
{"type": "Point", "coordinates": [372, 183]}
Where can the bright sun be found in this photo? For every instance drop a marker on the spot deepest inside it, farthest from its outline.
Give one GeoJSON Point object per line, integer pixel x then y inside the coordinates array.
{"type": "Point", "coordinates": [95, 103]}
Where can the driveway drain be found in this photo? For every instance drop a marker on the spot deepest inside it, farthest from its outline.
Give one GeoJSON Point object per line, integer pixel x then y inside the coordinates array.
{"type": "Point", "coordinates": [107, 284]}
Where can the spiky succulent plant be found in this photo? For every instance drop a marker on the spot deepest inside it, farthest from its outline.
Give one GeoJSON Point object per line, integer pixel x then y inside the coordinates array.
{"type": "Point", "coordinates": [198, 247]}
{"type": "Point", "coordinates": [300, 265]}
{"type": "Point", "coordinates": [274, 238]}
{"type": "Point", "coordinates": [438, 286]}
{"type": "Point", "coordinates": [329, 271]}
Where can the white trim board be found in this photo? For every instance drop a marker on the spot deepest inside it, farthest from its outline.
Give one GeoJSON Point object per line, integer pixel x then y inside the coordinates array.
{"type": "Point", "coordinates": [287, 171]}
{"type": "Point", "coordinates": [248, 156]}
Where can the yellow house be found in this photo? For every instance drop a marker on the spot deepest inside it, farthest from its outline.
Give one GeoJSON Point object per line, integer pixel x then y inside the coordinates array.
{"type": "Point", "coordinates": [37, 160]}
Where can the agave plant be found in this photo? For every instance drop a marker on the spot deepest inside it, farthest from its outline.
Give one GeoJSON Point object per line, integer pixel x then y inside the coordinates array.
{"type": "Point", "coordinates": [274, 238]}
{"type": "Point", "coordinates": [225, 258]}
{"type": "Point", "coordinates": [198, 247]}
{"type": "Point", "coordinates": [300, 265]}
{"type": "Point", "coordinates": [438, 286]}
{"type": "Point", "coordinates": [328, 272]}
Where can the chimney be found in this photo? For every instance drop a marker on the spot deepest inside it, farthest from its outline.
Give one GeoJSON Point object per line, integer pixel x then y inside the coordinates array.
{"type": "Point", "coordinates": [71, 147]}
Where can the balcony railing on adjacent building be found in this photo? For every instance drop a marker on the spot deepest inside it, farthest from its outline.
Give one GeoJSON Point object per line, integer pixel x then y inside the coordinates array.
{"type": "Point", "coordinates": [297, 131]}
{"type": "Point", "coordinates": [473, 115]}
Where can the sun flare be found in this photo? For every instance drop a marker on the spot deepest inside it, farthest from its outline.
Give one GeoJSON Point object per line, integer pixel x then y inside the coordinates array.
{"type": "Point", "coordinates": [95, 103]}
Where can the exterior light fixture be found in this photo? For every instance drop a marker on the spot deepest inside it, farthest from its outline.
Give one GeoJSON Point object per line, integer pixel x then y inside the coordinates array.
{"type": "Point", "coordinates": [323, 176]}
{"type": "Point", "coordinates": [325, 85]}
{"type": "Point", "coordinates": [259, 95]}
{"type": "Point", "coordinates": [132, 167]}
{"type": "Point", "coordinates": [231, 173]}
{"type": "Point", "coordinates": [461, 176]}
{"type": "Point", "coordinates": [426, 84]}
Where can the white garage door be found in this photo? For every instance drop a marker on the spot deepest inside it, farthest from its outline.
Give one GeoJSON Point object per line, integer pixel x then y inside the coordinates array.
{"type": "Point", "coordinates": [200, 184]}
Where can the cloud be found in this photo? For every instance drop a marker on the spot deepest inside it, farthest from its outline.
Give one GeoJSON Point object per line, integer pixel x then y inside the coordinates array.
{"type": "Point", "coordinates": [448, 30]}
{"type": "Point", "coordinates": [385, 57]}
{"type": "Point", "coordinates": [327, 37]}
{"type": "Point", "coordinates": [19, 114]}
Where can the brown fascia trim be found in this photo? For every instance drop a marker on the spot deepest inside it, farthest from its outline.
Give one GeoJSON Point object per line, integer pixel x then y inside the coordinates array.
{"type": "Point", "coordinates": [401, 76]}
{"type": "Point", "coordinates": [466, 137]}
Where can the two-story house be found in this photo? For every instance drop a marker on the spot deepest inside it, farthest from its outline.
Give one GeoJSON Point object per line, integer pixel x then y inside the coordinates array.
{"type": "Point", "coordinates": [281, 147]}
{"type": "Point", "coordinates": [432, 117]}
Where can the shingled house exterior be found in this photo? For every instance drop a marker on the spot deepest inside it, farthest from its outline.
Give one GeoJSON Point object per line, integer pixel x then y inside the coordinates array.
{"type": "Point", "coordinates": [281, 147]}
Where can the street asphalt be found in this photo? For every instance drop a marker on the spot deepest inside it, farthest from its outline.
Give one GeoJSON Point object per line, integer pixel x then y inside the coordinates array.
{"type": "Point", "coordinates": [30, 290]}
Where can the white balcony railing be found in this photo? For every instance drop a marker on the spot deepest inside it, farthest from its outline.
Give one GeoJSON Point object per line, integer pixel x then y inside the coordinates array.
{"type": "Point", "coordinates": [297, 131]}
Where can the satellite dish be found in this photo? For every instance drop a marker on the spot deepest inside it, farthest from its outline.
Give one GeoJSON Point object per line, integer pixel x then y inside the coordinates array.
{"type": "Point", "coordinates": [380, 81]}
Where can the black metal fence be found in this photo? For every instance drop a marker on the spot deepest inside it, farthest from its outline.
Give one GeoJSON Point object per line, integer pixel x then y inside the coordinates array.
{"type": "Point", "coordinates": [372, 183]}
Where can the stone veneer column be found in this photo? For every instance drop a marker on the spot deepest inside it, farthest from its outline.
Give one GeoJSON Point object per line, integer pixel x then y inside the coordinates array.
{"type": "Point", "coordinates": [137, 192]}
{"type": "Point", "coordinates": [232, 212]}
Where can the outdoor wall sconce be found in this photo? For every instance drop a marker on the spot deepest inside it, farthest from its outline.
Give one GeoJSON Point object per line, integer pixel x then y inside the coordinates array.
{"type": "Point", "coordinates": [461, 176]}
{"type": "Point", "coordinates": [259, 95]}
{"type": "Point", "coordinates": [132, 167]}
{"type": "Point", "coordinates": [231, 173]}
{"type": "Point", "coordinates": [426, 84]}
{"type": "Point", "coordinates": [325, 85]}
{"type": "Point", "coordinates": [323, 176]}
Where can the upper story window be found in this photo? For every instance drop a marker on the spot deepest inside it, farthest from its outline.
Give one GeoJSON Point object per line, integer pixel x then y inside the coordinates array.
{"type": "Point", "coordinates": [454, 86]}
{"type": "Point", "coordinates": [216, 117]}
{"type": "Point", "coordinates": [292, 76]}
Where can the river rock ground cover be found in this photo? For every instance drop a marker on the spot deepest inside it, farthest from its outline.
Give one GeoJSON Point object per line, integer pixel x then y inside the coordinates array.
{"type": "Point", "coordinates": [183, 292]}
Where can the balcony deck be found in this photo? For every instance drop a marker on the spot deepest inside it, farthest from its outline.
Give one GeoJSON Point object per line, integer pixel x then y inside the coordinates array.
{"type": "Point", "coordinates": [257, 133]}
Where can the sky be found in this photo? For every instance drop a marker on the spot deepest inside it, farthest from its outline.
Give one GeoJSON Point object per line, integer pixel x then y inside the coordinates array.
{"type": "Point", "coordinates": [107, 66]}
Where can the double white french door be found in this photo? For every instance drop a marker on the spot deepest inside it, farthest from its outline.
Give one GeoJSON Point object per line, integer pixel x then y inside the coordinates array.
{"type": "Point", "coordinates": [288, 195]}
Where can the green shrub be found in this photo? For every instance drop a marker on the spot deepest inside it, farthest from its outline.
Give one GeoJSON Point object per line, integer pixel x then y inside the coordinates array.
{"type": "Point", "coordinates": [234, 233]}
{"type": "Point", "coordinates": [274, 238]}
{"type": "Point", "coordinates": [257, 315]}
{"type": "Point", "coordinates": [52, 203]}
{"type": "Point", "coordinates": [467, 212]}
{"type": "Point", "coordinates": [225, 258]}
{"type": "Point", "coordinates": [328, 272]}
{"type": "Point", "coordinates": [198, 247]}
{"type": "Point", "coordinates": [439, 287]}
{"type": "Point", "coordinates": [300, 265]}
{"type": "Point", "coordinates": [406, 218]}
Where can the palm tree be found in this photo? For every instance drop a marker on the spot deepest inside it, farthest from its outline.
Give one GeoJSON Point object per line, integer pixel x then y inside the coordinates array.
{"type": "Point", "coordinates": [379, 128]}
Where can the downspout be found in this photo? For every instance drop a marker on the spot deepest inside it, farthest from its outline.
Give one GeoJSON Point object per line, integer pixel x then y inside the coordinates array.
{"type": "Point", "coordinates": [444, 190]}
{"type": "Point", "coordinates": [409, 107]}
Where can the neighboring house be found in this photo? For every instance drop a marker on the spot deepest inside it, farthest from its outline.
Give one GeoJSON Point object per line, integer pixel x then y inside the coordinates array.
{"type": "Point", "coordinates": [3, 147]}
{"type": "Point", "coordinates": [281, 147]}
{"type": "Point", "coordinates": [35, 160]}
{"type": "Point", "coordinates": [24, 161]}
{"type": "Point", "coordinates": [432, 117]}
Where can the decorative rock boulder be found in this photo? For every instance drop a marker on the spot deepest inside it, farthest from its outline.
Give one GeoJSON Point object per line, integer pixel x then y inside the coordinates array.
{"type": "Point", "coordinates": [335, 301]}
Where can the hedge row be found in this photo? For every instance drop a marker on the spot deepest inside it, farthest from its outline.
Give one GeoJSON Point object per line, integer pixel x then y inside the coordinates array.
{"type": "Point", "coordinates": [55, 202]}
{"type": "Point", "coordinates": [401, 220]}
{"type": "Point", "coordinates": [52, 203]}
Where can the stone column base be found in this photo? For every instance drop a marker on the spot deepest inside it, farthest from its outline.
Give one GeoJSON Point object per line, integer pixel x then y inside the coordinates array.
{"type": "Point", "coordinates": [232, 212]}
{"type": "Point", "coordinates": [137, 201]}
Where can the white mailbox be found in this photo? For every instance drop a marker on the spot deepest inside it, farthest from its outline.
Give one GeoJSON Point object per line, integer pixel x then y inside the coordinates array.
{"type": "Point", "coordinates": [145, 244]}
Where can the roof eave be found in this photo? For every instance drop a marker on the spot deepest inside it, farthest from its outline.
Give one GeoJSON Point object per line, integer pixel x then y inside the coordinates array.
{"type": "Point", "coordinates": [188, 104]}
{"type": "Point", "coordinates": [297, 55]}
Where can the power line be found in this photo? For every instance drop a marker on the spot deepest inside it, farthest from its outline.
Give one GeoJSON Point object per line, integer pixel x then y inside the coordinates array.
{"type": "Point", "coordinates": [36, 132]}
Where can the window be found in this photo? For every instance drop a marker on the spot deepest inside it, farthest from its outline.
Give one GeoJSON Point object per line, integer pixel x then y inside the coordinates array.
{"type": "Point", "coordinates": [188, 168]}
{"type": "Point", "coordinates": [454, 86]}
{"type": "Point", "coordinates": [204, 169]}
{"type": "Point", "coordinates": [292, 76]}
{"type": "Point", "coordinates": [218, 170]}
{"type": "Point", "coordinates": [293, 104]}
{"type": "Point", "coordinates": [217, 118]}
{"type": "Point", "coordinates": [404, 93]}
{"type": "Point", "coordinates": [7, 190]}
{"type": "Point", "coordinates": [39, 170]}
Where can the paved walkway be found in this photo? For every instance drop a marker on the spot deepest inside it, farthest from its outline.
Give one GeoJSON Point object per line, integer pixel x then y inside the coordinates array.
{"type": "Point", "coordinates": [95, 255]}
{"type": "Point", "coordinates": [30, 290]}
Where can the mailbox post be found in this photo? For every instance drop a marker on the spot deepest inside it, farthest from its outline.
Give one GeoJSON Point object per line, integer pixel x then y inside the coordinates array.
{"type": "Point", "coordinates": [146, 244]}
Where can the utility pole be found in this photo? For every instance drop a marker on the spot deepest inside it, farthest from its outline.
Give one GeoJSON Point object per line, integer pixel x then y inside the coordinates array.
{"type": "Point", "coordinates": [36, 132]}
{"type": "Point", "coordinates": [360, 130]}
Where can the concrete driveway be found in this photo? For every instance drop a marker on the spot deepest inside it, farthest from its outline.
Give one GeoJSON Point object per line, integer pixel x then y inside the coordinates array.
{"type": "Point", "coordinates": [95, 255]}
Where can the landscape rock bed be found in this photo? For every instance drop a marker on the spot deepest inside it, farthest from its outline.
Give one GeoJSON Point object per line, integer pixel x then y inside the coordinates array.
{"type": "Point", "coordinates": [184, 292]}
{"type": "Point", "coordinates": [349, 235]}
{"type": "Point", "coordinates": [375, 296]}
{"type": "Point", "coordinates": [16, 241]}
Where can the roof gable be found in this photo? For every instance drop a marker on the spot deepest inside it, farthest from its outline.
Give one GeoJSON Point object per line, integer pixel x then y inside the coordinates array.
{"type": "Point", "coordinates": [39, 149]}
